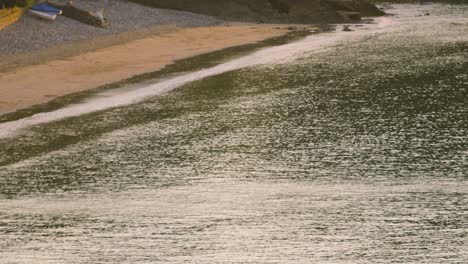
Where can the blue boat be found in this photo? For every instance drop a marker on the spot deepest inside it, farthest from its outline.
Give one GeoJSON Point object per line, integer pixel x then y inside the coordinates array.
{"type": "Point", "coordinates": [45, 8]}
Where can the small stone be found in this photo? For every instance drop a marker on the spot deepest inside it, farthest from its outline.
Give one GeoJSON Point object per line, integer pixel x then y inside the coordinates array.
{"type": "Point", "coordinates": [347, 28]}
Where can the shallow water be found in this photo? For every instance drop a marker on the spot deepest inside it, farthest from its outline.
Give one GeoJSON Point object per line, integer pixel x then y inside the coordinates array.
{"type": "Point", "coordinates": [350, 152]}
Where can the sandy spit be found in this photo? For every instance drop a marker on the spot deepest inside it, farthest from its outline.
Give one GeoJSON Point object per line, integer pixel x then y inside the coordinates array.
{"type": "Point", "coordinates": [36, 78]}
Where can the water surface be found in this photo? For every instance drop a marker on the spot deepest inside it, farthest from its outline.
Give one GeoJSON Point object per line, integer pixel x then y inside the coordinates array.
{"type": "Point", "coordinates": [349, 152]}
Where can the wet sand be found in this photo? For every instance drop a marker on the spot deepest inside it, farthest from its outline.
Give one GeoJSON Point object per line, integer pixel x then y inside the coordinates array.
{"type": "Point", "coordinates": [113, 60]}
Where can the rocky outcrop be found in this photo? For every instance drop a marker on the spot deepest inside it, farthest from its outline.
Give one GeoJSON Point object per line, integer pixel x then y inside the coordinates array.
{"type": "Point", "coordinates": [347, 16]}
{"type": "Point", "coordinates": [280, 11]}
{"type": "Point", "coordinates": [364, 7]}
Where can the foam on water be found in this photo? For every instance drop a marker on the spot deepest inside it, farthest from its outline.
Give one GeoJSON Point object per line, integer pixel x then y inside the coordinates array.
{"type": "Point", "coordinates": [278, 54]}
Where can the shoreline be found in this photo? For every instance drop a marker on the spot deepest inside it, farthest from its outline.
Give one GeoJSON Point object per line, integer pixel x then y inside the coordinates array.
{"type": "Point", "coordinates": [85, 65]}
{"type": "Point", "coordinates": [11, 61]}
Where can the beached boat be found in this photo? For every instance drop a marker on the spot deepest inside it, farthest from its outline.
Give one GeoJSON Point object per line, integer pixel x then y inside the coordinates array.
{"type": "Point", "coordinates": [45, 11]}
{"type": "Point", "coordinates": [43, 15]}
{"type": "Point", "coordinates": [45, 8]}
{"type": "Point", "coordinates": [84, 16]}
{"type": "Point", "coordinates": [9, 16]}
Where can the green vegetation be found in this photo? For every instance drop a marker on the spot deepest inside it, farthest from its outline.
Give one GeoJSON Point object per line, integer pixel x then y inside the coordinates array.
{"type": "Point", "coordinates": [420, 1]}
{"type": "Point", "coordinates": [20, 3]}
{"type": "Point", "coordinates": [26, 3]}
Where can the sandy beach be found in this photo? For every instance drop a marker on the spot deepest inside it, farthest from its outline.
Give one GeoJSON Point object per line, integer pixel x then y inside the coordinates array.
{"type": "Point", "coordinates": [72, 70]}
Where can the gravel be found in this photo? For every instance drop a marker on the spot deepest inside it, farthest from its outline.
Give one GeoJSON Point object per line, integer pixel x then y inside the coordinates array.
{"type": "Point", "coordinates": [30, 33]}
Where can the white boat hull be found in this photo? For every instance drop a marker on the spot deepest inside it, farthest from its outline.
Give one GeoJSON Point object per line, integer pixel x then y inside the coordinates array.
{"type": "Point", "coordinates": [44, 15]}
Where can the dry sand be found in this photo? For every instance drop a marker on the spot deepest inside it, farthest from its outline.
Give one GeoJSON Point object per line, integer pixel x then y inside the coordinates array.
{"type": "Point", "coordinates": [27, 83]}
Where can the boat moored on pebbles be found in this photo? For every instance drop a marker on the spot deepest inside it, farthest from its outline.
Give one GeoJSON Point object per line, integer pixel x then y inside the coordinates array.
{"type": "Point", "coordinates": [45, 11]}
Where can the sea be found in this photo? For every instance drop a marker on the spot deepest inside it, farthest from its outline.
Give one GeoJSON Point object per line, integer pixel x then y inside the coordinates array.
{"type": "Point", "coordinates": [333, 147]}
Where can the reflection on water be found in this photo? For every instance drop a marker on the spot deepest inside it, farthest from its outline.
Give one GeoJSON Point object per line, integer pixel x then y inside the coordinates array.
{"type": "Point", "coordinates": [356, 154]}
{"type": "Point", "coordinates": [242, 222]}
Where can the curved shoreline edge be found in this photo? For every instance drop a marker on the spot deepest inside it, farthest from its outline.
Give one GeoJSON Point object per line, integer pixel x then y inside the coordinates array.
{"type": "Point", "coordinates": [116, 66]}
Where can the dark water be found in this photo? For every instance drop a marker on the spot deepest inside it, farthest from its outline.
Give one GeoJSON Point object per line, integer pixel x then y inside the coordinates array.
{"type": "Point", "coordinates": [354, 153]}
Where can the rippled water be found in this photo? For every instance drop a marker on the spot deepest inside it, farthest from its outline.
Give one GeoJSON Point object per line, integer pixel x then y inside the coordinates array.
{"type": "Point", "coordinates": [351, 153]}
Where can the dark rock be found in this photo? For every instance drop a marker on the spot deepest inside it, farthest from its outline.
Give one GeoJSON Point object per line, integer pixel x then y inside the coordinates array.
{"type": "Point", "coordinates": [281, 11]}
{"type": "Point", "coordinates": [362, 6]}
{"type": "Point", "coordinates": [349, 16]}
{"type": "Point", "coordinates": [347, 28]}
